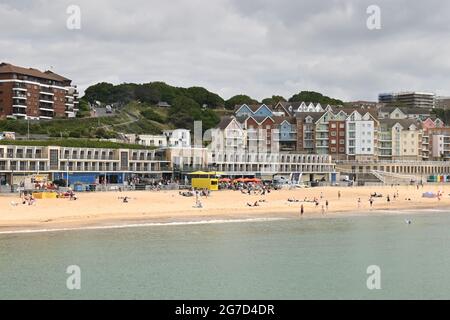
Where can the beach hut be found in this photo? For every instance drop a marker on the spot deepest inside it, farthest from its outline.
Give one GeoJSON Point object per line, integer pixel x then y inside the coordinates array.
{"type": "Point", "coordinates": [205, 180]}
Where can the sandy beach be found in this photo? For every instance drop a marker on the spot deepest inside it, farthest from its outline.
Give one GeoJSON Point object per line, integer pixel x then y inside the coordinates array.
{"type": "Point", "coordinates": [106, 209]}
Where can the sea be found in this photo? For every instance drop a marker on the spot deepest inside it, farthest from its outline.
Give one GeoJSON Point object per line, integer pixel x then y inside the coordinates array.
{"type": "Point", "coordinates": [355, 257]}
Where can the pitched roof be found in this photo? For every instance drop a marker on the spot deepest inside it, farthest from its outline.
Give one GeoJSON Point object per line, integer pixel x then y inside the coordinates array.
{"type": "Point", "coordinates": [224, 122]}
{"type": "Point", "coordinates": [314, 115]}
{"type": "Point", "coordinates": [280, 120]}
{"type": "Point", "coordinates": [48, 75]}
{"type": "Point", "coordinates": [252, 107]}
{"type": "Point", "coordinates": [405, 123]}
{"type": "Point", "coordinates": [405, 110]}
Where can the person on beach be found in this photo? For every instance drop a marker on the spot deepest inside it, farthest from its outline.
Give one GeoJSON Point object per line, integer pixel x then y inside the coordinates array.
{"type": "Point", "coordinates": [326, 204]}
{"type": "Point", "coordinates": [339, 195]}
{"type": "Point", "coordinates": [323, 209]}
{"type": "Point", "coordinates": [388, 199]}
{"type": "Point", "coordinates": [371, 202]}
{"type": "Point", "coordinates": [359, 202]}
{"type": "Point", "coordinates": [302, 210]}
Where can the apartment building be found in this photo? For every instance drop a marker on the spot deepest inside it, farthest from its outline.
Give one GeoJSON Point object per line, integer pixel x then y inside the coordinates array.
{"type": "Point", "coordinates": [411, 99]}
{"type": "Point", "coordinates": [386, 112]}
{"type": "Point", "coordinates": [180, 138]}
{"type": "Point", "coordinates": [27, 93]}
{"type": "Point", "coordinates": [438, 143]}
{"type": "Point", "coordinates": [361, 136]}
{"type": "Point", "coordinates": [228, 135]}
{"type": "Point", "coordinates": [266, 165]}
{"type": "Point", "coordinates": [85, 165]}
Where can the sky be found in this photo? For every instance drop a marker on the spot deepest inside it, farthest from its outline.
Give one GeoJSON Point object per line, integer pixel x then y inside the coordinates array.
{"type": "Point", "coordinates": [260, 48]}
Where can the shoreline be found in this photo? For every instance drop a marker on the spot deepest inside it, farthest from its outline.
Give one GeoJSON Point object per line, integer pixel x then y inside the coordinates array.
{"type": "Point", "coordinates": [119, 223]}
{"type": "Point", "coordinates": [106, 211]}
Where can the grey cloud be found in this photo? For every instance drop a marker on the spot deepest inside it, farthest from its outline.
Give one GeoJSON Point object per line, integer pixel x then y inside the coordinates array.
{"type": "Point", "coordinates": [230, 46]}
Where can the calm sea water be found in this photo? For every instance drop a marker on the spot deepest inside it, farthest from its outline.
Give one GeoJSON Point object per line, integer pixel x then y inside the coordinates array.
{"type": "Point", "coordinates": [287, 259]}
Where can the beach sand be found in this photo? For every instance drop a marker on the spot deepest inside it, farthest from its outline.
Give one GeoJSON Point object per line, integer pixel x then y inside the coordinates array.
{"type": "Point", "coordinates": [106, 209]}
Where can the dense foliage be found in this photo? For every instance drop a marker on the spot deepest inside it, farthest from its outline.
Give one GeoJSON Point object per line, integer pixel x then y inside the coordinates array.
{"type": "Point", "coordinates": [152, 93]}
{"type": "Point", "coordinates": [238, 100]}
{"type": "Point", "coordinates": [185, 111]}
{"type": "Point", "coordinates": [442, 114]}
{"type": "Point", "coordinates": [274, 100]}
{"type": "Point", "coordinates": [315, 97]}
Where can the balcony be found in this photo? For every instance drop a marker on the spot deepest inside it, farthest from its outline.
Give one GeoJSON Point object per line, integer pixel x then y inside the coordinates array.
{"type": "Point", "coordinates": [46, 91]}
{"type": "Point", "coordinates": [45, 100]}
{"type": "Point", "coordinates": [19, 103]}
{"type": "Point", "coordinates": [18, 95]}
{"type": "Point", "coordinates": [19, 87]}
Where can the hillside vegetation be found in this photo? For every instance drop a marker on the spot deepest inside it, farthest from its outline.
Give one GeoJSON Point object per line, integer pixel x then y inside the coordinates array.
{"type": "Point", "coordinates": [136, 111]}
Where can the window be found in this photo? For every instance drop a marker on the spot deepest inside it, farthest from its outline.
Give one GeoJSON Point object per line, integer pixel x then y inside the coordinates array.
{"type": "Point", "coordinates": [333, 125]}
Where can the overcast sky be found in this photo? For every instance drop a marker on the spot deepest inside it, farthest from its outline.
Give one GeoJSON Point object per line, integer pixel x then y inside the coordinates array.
{"type": "Point", "coordinates": [230, 47]}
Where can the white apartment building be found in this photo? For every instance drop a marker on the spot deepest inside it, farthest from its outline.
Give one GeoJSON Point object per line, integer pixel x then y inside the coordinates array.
{"type": "Point", "coordinates": [361, 136]}
{"type": "Point", "coordinates": [148, 140]}
{"type": "Point", "coordinates": [178, 138]}
{"type": "Point", "coordinates": [228, 135]}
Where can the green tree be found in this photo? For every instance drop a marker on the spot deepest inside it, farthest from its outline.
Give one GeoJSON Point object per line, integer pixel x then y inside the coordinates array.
{"type": "Point", "coordinates": [315, 97]}
{"type": "Point", "coordinates": [203, 96]}
{"type": "Point", "coordinates": [99, 92]}
{"type": "Point", "coordinates": [148, 93]}
{"type": "Point", "coordinates": [274, 100]}
{"type": "Point", "coordinates": [185, 111]}
{"type": "Point", "coordinates": [238, 100]}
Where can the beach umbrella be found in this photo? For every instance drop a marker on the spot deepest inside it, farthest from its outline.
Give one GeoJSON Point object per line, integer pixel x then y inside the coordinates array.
{"type": "Point", "coordinates": [225, 180]}
{"type": "Point", "coordinates": [239, 180]}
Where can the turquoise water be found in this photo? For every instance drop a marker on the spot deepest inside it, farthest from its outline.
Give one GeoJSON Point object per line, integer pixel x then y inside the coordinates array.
{"type": "Point", "coordinates": [286, 259]}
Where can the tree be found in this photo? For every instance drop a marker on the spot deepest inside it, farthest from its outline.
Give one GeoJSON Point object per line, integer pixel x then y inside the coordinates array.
{"type": "Point", "coordinates": [238, 100]}
{"type": "Point", "coordinates": [185, 111]}
{"type": "Point", "coordinates": [123, 93]}
{"type": "Point", "coordinates": [99, 92]}
{"type": "Point", "coordinates": [148, 93]}
{"type": "Point", "coordinates": [203, 96]}
{"type": "Point", "coordinates": [274, 100]}
{"type": "Point", "coordinates": [315, 97]}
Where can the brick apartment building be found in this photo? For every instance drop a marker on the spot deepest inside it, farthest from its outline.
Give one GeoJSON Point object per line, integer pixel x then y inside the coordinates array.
{"type": "Point", "coordinates": [33, 94]}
